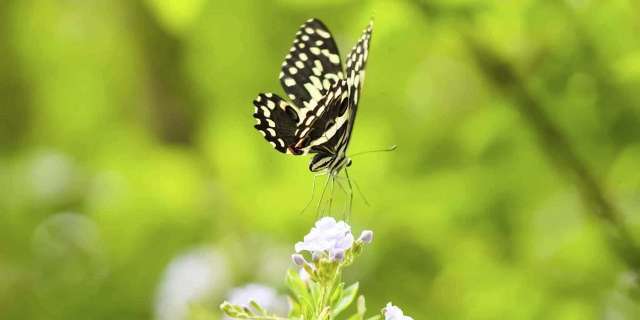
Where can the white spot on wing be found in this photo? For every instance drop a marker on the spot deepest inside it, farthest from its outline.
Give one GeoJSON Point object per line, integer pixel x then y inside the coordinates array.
{"type": "Point", "coordinates": [271, 104]}
{"type": "Point", "coordinates": [323, 33]}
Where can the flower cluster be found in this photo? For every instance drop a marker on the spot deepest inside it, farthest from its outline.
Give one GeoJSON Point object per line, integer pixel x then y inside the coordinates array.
{"type": "Point", "coordinates": [331, 246]}
{"type": "Point", "coordinates": [317, 291]}
{"type": "Point", "coordinates": [330, 238]}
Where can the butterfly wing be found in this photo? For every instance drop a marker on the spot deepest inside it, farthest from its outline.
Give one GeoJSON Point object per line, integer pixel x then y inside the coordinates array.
{"type": "Point", "coordinates": [311, 67]}
{"type": "Point", "coordinates": [321, 117]}
{"type": "Point", "coordinates": [341, 104]}
{"type": "Point", "coordinates": [322, 123]}
{"type": "Point", "coordinates": [331, 149]}
{"type": "Point", "coordinates": [356, 63]}
{"type": "Point", "coordinates": [277, 120]}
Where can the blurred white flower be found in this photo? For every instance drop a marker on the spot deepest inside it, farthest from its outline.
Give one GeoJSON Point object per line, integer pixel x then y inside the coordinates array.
{"type": "Point", "coordinates": [327, 236]}
{"type": "Point", "coordinates": [51, 175]}
{"type": "Point", "coordinates": [190, 278]}
{"type": "Point", "coordinates": [68, 251]}
{"type": "Point", "coordinates": [266, 297]}
{"type": "Point", "coordinates": [392, 312]}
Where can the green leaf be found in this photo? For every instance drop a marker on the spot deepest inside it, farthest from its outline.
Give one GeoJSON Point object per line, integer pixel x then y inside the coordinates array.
{"type": "Point", "coordinates": [300, 292]}
{"type": "Point", "coordinates": [376, 317]}
{"type": "Point", "coordinates": [295, 311]}
{"type": "Point", "coordinates": [347, 297]}
{"type": "Point", "coordinates": [337, 293]}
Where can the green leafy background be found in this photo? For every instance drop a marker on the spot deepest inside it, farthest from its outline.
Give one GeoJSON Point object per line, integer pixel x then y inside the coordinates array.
{"type": "Point", "coordinates": [126, 140]}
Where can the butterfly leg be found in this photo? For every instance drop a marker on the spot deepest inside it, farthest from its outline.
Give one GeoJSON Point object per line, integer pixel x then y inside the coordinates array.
{"type": "Point", "coordinates": [346, 194]}
{"type": "Point", "coordinates": [355, 184]}
{"type": "Point", "coordinates": [324, 189]}
{"type": "Point", "coordinates": [313, 193]}
{"type": "Point", "coordinates": [331, 193]}
{"type": "Point", "coordinates": [346, 172]}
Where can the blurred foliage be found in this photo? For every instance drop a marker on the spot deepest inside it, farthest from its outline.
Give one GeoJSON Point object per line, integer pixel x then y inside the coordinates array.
{"type": "Point", "coordinates": [126, 143]}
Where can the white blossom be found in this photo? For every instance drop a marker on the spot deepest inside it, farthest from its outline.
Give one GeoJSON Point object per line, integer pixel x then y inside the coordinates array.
{"type": "Point", "coordinates": [392, 312]}
{"type": "Point", "coordinates": [327, 236]}
{"type": "Point", "coordinates": [193, 277]}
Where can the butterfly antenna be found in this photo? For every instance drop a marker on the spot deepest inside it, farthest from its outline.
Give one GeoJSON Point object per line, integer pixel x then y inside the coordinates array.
{"type": "Point", "coordinates": [389, 149]}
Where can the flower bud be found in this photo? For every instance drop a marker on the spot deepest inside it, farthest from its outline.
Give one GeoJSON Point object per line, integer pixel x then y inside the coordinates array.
{"type": "Point", "coordinates": [338, 256]}
{"type": "Point", "coordinates": [298, 259]}
{"type": "Point", "coordinates": [366, 236]}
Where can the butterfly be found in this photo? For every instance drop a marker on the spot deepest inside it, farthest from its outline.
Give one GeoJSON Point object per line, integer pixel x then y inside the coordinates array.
{"type": "Point", "coordinates": [319, 114]}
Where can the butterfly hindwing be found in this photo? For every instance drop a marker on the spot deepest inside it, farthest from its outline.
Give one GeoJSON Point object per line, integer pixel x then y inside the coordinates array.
{"type": "Point", "coordinates": [322, 123]}
{"type": "Point", "coordinates": [311, 67]}
{"type": "Point", "coordinates": [277, 120]}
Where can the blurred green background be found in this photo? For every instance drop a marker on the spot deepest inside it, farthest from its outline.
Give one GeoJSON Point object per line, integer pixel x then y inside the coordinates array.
{"type": "Point", "coordinates": [132, 182]}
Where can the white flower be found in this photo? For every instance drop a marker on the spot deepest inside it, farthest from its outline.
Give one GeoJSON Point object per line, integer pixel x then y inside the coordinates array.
{"type": "Point", "coordinates": [193, 277]}
{"type": "Point", "coordinates": [266, 297]}
{"type": "Point", "coordinates": [328, 236]}
{"type": "Point", "coordinates": [392, 312]}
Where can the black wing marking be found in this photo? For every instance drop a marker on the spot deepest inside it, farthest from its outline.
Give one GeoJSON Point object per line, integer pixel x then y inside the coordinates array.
{"type": "Point", "coordinates": [356, 63]}
{"type": "Point", "coordinates": [322, 123]}
{"type": "Point", "coordinates": [330, 152]}
{"type": "Point", "coordinates": [277, 121]}
{"type": "Point", "coordinates": [331, 131]}
{"type": "Point", "coordinates": [311, 67]}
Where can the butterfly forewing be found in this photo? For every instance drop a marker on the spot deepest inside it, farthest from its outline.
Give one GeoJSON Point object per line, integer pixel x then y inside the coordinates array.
{"type": "Point", "coordinates": [311, 67]}
{"type": "Point", "coordinates": [356, 63]}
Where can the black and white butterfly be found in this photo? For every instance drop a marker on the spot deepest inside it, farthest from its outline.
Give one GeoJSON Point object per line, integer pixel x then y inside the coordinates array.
{"type": "Point", "coordinates": [323, 97]}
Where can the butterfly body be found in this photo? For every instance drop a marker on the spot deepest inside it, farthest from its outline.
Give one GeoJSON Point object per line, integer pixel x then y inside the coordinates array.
{"type": "Point", "coordinates": [320, 115]}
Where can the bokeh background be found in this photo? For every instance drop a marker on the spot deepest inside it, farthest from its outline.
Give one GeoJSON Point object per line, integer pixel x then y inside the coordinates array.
{"type": "Point", "coordinates": [133, 185]}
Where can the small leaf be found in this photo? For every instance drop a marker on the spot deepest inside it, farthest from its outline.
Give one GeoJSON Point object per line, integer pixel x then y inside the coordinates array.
{"type": "Point", "coordinates": [376, 317]}
{"type": "Point", "coordinates": [348, 295]}
{"type": "Point", "coordinates": [300, 292]}
{"type": "Point", "coordinates": [258, 308]}
{"type": "Point", "coordinates": [337, 293]}
{"type": "Point", "coordinates": [361, 305]}
{"type": "Point", "coordinates": [295, 310]}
